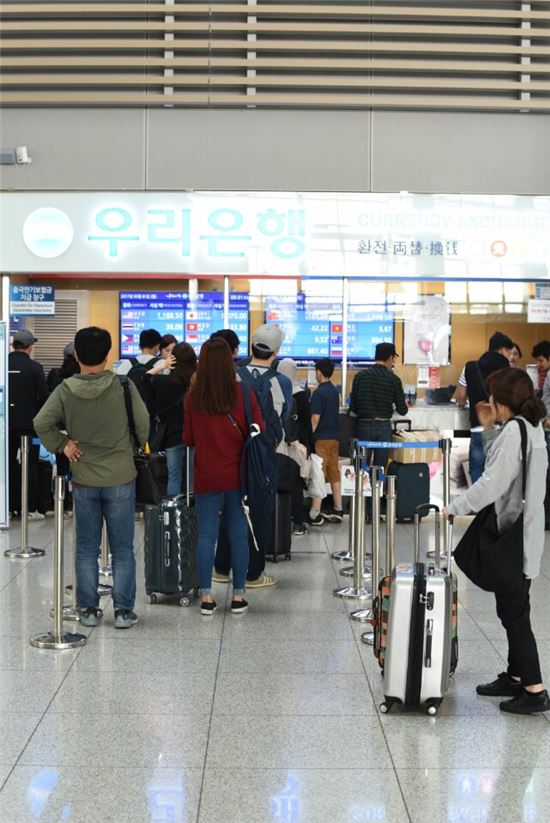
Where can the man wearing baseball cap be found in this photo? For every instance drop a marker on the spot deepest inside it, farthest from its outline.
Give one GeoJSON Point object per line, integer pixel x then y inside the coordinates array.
{"type": "Point", "coordinates": [266, 343]}
{"type": "Point", "coordinates": [375, 393]}
{"type": "Point", "coordinates": [27, 392]}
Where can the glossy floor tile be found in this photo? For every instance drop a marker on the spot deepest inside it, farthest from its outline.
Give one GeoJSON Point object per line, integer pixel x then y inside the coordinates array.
{"type": "Point", "coordinates": [147, 740]}
{"type": "Point", "coordinates": [301, 796]}
{"type": "Point", "coordinates": [505, 795]}
{"type": "Point", "coordinates": [288, 741]}
{"type": "Point", "coordinates": [91, 793]}
{"type": "Point", "coordinates": [270, 717]}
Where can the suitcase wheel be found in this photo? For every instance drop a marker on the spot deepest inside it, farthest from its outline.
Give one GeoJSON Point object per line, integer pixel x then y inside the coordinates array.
{"type": "Point", "coordinates": [184, 601]}
{"type": "Point", "coordinates": [433, 706]}
{"type": "Point", "coordinates": [152, 598]}
{"type": "Point", "coordinates": [385, 708]}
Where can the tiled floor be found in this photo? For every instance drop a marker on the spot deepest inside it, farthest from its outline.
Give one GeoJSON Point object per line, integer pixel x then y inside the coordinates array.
{"type": "Point", "coordinates": [271, 717]}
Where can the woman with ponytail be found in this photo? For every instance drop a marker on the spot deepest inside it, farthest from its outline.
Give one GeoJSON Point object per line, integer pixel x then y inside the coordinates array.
{"type": "Point", "coordinates": [511, 394]}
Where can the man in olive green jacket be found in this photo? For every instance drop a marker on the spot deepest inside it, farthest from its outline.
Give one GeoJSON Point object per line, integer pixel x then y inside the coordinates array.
{"type": "Point", "coordinates": [85, 418]}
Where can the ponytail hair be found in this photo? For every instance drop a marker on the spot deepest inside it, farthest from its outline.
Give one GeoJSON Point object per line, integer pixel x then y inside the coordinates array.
{"type": "Point", "coordinates": [514, 388]}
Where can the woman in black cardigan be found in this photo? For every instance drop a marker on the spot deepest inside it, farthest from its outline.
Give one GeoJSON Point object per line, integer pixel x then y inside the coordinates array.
{"type": "Point", "coordinates": [164, 394]}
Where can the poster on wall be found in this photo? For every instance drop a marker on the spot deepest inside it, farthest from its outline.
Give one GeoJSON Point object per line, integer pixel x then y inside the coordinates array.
{"type": "Point", "coordinates": [427, 332]}
{"type": "Point", "coordinates": [4, 346]}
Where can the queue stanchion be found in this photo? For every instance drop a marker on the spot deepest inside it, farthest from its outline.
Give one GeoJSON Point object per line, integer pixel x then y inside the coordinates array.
{"type": "Point", "coordinates": [358, 591]}
{"type": "Point", "coordinates": [364, 615]}
{"type": "Point", "coordinates": [24, 551]}
{"type": "Point", "coordinates": [104, 589]}
{"type": "Point", "coordinates": [70, 612]}
{"type": "Point", "coordinates": [349, 571]}
{"type": "Point", "coordinates": [347, 554]}
{"type": "Point", "coordinates": [105, 563]}
{"type": "Point", "coordinates": [391, 510]}
{"type": "Point", "coordinates": [57, 638]}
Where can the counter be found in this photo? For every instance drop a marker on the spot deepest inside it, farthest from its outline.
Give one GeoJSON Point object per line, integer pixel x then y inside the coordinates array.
{"type": "Point", "coordinates": [448, 418]}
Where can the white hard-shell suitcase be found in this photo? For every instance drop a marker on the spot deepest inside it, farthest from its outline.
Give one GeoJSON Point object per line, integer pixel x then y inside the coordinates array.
{"type": "Point", "coordinates": [418, 651]}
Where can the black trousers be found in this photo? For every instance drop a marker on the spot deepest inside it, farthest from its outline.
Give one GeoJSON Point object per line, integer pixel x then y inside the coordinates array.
{"type": "Point", "coordinates": [514, 611]}
{"type": "Point", "coordinates": [14, 444]}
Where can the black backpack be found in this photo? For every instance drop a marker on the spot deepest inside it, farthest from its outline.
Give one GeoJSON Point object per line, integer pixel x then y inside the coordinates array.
{"type": "Point", "coordinates": [261, 386]}
{"type": "Point", "coordinates": [139, 370]}
{"type": "Point", "coordinates": [292, 426]}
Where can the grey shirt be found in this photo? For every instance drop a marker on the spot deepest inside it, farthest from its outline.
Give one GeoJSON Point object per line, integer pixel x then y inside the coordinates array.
{"type": "Point", "coordinates": [500, 484]}
{"type": "Point", "coordinates": [546, 393]}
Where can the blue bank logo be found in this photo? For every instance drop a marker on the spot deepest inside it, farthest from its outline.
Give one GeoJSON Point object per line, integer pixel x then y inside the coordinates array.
{"type": "Point", "coordinates": [48, 232]}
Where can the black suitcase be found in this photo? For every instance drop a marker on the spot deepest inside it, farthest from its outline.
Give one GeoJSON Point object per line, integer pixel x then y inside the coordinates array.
{"type": "Point", "coordinates": [171, 535]}
{"type": "Point", "coordinates": [281, 536]}
{"type": "Point", "coordinates": [412, 487]}
{"type": "Point", "coordinates": [159, 467]}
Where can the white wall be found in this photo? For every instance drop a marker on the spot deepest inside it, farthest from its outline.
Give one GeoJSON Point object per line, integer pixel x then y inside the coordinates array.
{"type": "Point", "coordinates": [107, 149]}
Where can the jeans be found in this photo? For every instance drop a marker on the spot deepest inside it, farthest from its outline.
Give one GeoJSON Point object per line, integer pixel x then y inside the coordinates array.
{"type": "Point", "coordinates": [514, 610]}
{"type": "Point", "coordinates": [476, 456]}
{"type": "Point", "coordinates": [115, 505]}
{"type": "Point", "coordinates": [375, 430]}
{"type": "Point", "coordinates": [174, 462]}
{"type": "Point", "coordinates": [208, 510]}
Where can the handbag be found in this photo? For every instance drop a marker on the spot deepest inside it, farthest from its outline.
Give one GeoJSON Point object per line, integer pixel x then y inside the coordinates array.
{"type": "Point", "coordinates": [316, 484]}
{"type": "Point", "coordinates": [491, 559]}
{"type": "Point", "coordinates": [147, 489]}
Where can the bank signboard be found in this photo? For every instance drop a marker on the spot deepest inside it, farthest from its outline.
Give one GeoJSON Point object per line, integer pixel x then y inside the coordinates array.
{"type": "Point", "coordinates": [387, 236]}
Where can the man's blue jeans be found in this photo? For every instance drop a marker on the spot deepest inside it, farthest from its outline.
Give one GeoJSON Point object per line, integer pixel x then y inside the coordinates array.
{"type": "Point", "coordinates": [115, 504]}
{"type": "Point", "coordinates": [174, 464]}
{"type": "Point", "coordinates": [375, 430]}
{"type": "Point", "coordinates": [208, 509]}
{"type": "Point", "coordinates": [476, 456]}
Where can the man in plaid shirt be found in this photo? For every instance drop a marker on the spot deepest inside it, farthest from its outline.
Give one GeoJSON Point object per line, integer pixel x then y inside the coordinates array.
{"type": "Point", "coordinates": [375, 393]}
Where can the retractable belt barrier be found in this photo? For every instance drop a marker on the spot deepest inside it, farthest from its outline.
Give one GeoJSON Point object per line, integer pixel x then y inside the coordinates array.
{"type": "Point", "coordinates": [57, 638]}
{"type": "Point", "coordinates": [24, 551]}
{"type": "Point", "coordinates": [409, 444]}
{"type": "Point", "coordinates": [357, 591]}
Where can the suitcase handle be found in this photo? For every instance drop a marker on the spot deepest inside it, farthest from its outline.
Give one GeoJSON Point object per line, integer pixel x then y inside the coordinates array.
{"type": "Point", "coordinates": [424, 509]}
{"type": "Point", "coordinates": [404, 423]}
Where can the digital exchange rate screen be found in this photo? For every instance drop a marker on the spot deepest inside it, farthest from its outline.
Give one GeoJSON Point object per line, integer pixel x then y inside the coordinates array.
{"type": "Point", "coordinates": [174, 313]}
{"type": "Point", "coordinates": [205, 316]}
{"type": "Point", "coordinates": [314, 327]}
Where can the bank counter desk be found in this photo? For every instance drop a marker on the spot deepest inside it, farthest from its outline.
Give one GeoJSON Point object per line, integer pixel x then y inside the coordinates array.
{"type": "Point", "coordinates": [447, 419]}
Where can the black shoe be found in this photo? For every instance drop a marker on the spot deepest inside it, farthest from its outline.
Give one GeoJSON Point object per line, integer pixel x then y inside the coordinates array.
{"type": "Point", "coordinates": [208, 608]}
{"type": "Point", "coordinates": [333, 515]}
{"type": "Point", "coordinates": [316, 521]}
{"type": "Point", "coordinates": [125, 619]}
{"type": "Point", "coordinates": [527, 703]}
{"type": "Point", "coordinates": [90, 617]}
{"type": "Point", "coordinates": [239, 606]}
{"type": "Point", "coordinates": [299, 529]}
{"type": "Point", "coordinates": [503, 686]}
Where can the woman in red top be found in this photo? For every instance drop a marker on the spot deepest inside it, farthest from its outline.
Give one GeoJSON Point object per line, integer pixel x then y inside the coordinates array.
{"type": "Point", "coordinates": [213, 406]}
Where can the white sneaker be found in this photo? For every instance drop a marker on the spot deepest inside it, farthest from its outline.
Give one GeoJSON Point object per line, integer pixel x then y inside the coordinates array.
{"type": "Point", "coordinates": [36, 516]}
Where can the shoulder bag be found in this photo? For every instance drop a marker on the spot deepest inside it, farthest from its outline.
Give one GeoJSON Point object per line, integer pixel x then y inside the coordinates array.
{"type": "Point", "coordinates": [147, 489]}
{"type": "Point", "coordinates": [491, 559]}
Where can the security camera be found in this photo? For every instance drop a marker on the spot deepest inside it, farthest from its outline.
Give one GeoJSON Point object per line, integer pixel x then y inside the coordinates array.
{"type": "Point", "coordinates": [22, 156]}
